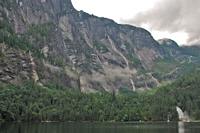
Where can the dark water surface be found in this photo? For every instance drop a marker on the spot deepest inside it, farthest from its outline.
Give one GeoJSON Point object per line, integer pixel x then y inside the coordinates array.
{"type": "Point", "coordinates": [67, 127]}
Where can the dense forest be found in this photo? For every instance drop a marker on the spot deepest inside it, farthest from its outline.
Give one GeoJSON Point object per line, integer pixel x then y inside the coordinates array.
{"type": "Point", "coordinates": [30, 102]}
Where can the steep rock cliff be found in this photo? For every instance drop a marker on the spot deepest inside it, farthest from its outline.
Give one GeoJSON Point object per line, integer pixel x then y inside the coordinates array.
{"type": "Point", "coordinates": [74, 49]}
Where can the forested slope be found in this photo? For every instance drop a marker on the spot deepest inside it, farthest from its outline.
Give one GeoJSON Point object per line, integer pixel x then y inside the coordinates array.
{"type": "Point", "coordinates": [34, 103]}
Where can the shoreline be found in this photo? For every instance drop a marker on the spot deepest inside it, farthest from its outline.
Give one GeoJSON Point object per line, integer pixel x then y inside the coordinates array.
{"type": "Point", "coordinates": [128, 122]}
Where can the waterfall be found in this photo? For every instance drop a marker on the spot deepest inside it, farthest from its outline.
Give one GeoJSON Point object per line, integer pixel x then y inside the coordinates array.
{"type": "Point", "coordinates": [124, 58]}
{"type": "Point", "coordinates": [133, 85]}
{"type": "Point", "coordinates": [35, 76]}
{"type": "Point", "coordinates": [182, 115]}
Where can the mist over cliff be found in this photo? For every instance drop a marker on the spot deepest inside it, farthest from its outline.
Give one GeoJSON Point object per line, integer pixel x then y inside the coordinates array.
{"type": "Point", "coordinates": [173, 16]}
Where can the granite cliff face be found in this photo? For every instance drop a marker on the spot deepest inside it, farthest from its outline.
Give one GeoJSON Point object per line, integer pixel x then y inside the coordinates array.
{"type": "Point", "coordinates": [71, 48]}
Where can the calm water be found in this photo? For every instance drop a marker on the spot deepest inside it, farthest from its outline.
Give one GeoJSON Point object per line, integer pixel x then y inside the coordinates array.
{"type": "Point", "coordinates": [100, 128]}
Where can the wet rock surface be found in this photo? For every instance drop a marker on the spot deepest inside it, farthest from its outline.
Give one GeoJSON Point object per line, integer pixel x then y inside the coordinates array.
{"type": "Point", "coordinates": [79, 50]}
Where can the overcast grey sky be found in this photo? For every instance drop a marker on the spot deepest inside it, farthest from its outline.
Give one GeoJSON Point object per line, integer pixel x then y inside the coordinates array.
{"type": "Point", "coordinates": [175, 19]}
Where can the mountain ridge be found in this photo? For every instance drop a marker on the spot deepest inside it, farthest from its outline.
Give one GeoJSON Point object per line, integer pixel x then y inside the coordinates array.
{"type": "Point", "coordinates": [72, 48]}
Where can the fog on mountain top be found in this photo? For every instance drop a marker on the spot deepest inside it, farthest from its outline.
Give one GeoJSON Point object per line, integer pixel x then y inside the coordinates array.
{"type": "Point", "coordinates": [173, 16]}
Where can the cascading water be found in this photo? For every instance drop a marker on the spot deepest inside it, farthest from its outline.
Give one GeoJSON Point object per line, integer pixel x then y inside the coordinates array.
{"type": "Point", "coordinates": [182, 115]}
{"type": "Point", "coordinates": [133, 85]}
{"type": "Point", "coordinates": [125, 59]}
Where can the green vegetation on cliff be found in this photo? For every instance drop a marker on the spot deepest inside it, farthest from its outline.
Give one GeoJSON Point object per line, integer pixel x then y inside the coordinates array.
{"type": "Point", "coordinates": [35, 103]}
{"type": "Point", "coordinates": [14, 40]}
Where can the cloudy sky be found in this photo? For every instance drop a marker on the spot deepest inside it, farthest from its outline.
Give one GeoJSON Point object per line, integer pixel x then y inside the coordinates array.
{"type": "Point", "coordinates": [175, 19]}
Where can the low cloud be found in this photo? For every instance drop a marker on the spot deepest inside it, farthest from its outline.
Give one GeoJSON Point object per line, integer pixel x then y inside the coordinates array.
{"type": "Point", "coordinates": [173, 16]}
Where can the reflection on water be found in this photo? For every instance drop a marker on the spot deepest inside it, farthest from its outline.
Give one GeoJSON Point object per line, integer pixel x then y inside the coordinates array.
{"type": "Point", "coordinates": [181, 128]}
{"type": "Point", "coordinates": [66, 127]}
